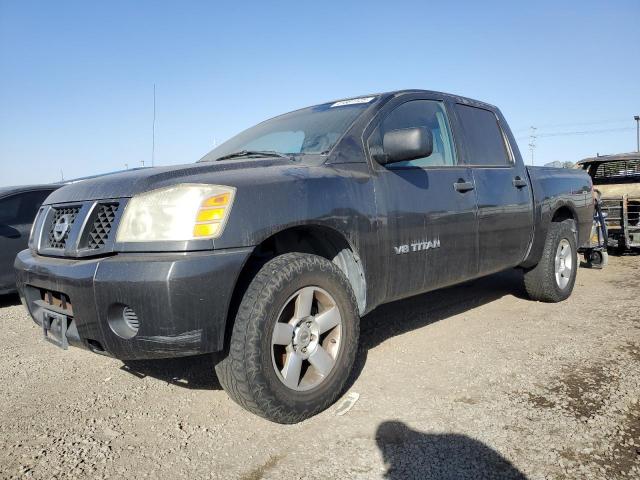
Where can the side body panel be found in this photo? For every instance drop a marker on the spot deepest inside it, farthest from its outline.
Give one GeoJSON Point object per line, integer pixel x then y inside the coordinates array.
{"type": "Point", "coordinates": [505, 218]}
{"type": "Point", "coordinates": [338, 197]}
{"type": "Point", "coordinates": [505, 209]}
{"type": "Point", "coordinates": [428, 232]}
{"type": "Point", "coordinates": [553, 189]}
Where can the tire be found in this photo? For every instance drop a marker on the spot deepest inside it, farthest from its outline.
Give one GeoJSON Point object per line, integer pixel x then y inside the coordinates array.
{"type": "Point", "coordinates": [254, 372]}
{"type": "Point", "coordinates": [541, 282]}
{"type": "Point", "coordinates": [597, 259]}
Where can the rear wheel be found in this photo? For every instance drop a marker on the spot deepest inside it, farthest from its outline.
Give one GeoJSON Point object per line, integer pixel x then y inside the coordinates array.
{"type": "Point", "coordinates": [294, 339]}
{"type": "Point", "coordinates": [553, 278]}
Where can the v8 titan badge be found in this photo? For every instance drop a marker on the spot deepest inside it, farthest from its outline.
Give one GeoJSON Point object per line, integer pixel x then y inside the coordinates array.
{"type": "Point", "coordinates": [417, 246]}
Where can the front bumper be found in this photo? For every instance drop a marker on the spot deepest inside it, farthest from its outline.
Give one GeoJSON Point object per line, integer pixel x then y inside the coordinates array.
{"type": "Point", "coordinates": [181, 299]}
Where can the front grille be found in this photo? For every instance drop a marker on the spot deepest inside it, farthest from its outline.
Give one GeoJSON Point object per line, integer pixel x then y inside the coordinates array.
{"type": "Point", "coordinates": [94, 223]}
{"type": "Point", "coordinates": [54, 238]}
{"type": "Point", "coordinates": [102, 225]}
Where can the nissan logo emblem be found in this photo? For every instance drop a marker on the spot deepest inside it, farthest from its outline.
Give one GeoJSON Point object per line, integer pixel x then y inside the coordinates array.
{"type": "Point", "coordinates": [61, 227]}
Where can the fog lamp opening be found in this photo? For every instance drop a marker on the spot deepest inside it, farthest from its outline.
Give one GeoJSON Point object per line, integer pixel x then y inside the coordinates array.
{"type": "Point", "coordinates": [123, 321]}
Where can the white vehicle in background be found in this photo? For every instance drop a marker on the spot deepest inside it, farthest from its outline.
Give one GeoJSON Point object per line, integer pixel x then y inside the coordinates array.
{"type": "Point", "coordinates": [616, 179]}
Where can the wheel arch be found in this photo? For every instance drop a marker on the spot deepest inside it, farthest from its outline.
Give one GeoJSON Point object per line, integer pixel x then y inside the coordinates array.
{"type": "Point", "coordinates": [320, 240]}
{"type": "Point", "coordinates": [556, 213]}
{"type": "Point", "coordinates": [564, 212]}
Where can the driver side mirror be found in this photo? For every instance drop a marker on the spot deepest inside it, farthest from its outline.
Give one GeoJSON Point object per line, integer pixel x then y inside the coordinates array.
{"type": "Point", "coordinates": [407, 144]}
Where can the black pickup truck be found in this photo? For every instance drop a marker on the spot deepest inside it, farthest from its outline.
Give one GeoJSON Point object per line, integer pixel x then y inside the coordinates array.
{"type": "Point", "coordinates": [271, 248]}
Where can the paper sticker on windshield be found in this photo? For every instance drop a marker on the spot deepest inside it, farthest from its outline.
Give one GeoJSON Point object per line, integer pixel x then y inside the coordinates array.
{"type": "Point", "coordinates": [353, 101]}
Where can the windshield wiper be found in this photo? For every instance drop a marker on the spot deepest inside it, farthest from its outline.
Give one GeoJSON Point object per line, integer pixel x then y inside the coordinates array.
{"type": "Point", "coordinates": [251, 153]}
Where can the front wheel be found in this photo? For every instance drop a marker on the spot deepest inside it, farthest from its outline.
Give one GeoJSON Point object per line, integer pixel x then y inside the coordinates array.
{"type": "Point", "coordinates": [553, 278]}
{"type": "Point", "coordinates": [294, 339]}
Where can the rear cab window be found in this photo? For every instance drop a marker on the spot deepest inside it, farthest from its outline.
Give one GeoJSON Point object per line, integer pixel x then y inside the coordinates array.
{"type": "Point", "coordinates": [484, 141]}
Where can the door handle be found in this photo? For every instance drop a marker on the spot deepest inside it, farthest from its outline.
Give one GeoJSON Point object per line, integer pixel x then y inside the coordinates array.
{"type": "Point", "coordinates": [519, 183]}
{"type": "Point", "coordinates": [462, 186]}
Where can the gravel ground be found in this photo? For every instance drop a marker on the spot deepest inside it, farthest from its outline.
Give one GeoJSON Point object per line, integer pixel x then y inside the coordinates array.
{"type": "Point", "coordinates": [470, 382]}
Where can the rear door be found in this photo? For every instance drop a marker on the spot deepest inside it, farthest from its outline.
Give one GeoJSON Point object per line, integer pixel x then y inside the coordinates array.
{"type": "Point", "coordinates": [17, 213]}
{"type": "Point", "coordinates": [427, 205]}
{"type": "Point", "coordinates": [505, 206]}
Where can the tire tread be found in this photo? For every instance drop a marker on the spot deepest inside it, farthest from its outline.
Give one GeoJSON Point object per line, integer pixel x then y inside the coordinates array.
{"type": "Point", "coordinates": [539, 281]}
{"type": "Point", "coordinates": [238, 373]}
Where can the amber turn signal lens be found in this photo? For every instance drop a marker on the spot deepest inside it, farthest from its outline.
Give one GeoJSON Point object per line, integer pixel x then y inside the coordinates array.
{"type": "Point", "coordinates": [206, 229]}
{"type": "Point", "coordinates": [217, 201]}
{"type": "Point", "coordinates": [210, 214]}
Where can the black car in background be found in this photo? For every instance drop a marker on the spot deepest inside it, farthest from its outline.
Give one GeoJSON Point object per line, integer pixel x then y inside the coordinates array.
{"type": "Point", "coordinates": [18, 207]}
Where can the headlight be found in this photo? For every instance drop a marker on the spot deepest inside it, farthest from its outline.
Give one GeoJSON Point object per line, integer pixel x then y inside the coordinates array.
{"type": "Point", "coordinates": [177, 213]}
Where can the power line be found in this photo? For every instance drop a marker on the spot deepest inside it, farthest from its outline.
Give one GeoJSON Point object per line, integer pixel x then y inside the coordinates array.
{"type": "Point", "coordinates": [586, 132]}
{"type": "Point", "coordinates": [579, 132]}
{"type": "Point", "coordinates": [574, 124]}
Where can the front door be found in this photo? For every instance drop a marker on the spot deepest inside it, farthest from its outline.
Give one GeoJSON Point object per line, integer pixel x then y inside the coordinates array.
{"type": "Point", "coordinates": [427, 205]}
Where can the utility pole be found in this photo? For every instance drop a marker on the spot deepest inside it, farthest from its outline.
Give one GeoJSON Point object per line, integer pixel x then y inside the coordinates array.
{"type": "Point", "coordinates": [637, 119]}
{"type": "Point", "coordinates": [532, 141]}
{"type": "Point", "coordinates": [153, 141]}
{"type": "Point", "coordinates": [153, 131]}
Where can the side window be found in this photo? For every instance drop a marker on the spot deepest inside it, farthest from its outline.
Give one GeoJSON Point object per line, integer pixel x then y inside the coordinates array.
{"type": "Point", "coordinates": [10, 209]}
{"type": "Point", "coordinates": [482, 136]}
{"type": "Point", "coordinates": [31, 202]}
{"type": "Point", "coordinates": [21, 209]}
{"type": "Point", "coordinates": [419, 113]}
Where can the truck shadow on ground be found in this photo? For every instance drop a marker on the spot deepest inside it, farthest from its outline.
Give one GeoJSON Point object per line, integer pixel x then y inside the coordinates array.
{"type": "Point", "coordinates": [383, 323]}
{"type": "Point", "coordinates": [413, 313]}
{"type": "Point", "coordinates": [409, 453]}
{"type": "Point", "coordinates": [195, 372]}
{"type": "Point", "coordinates": [9, 300]}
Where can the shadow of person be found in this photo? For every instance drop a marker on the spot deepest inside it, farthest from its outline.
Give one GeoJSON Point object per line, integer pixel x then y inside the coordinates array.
{"type": "Point", "coordinates": [409, 454]}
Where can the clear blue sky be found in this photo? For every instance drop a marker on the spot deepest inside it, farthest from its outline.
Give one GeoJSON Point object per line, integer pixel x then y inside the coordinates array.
{"type": "Point", "coordinates": [76, 78]}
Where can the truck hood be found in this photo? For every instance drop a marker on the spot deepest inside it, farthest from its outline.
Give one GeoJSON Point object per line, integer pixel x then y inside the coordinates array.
{"type": "Point", "coordinates": [126, 184]}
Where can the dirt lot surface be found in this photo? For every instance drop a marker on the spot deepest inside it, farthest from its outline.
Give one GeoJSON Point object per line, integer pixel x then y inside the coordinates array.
{"type": "Point", "coordinates": [470, 382]}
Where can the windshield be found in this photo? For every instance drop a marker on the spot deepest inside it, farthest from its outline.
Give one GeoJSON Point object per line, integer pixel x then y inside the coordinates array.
{"type": "Point", "coordinates": [310, 130]}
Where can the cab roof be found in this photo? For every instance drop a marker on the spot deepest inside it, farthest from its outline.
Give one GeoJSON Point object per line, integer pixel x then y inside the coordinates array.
{"type": "Point", "coordinates": [380, 96]}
